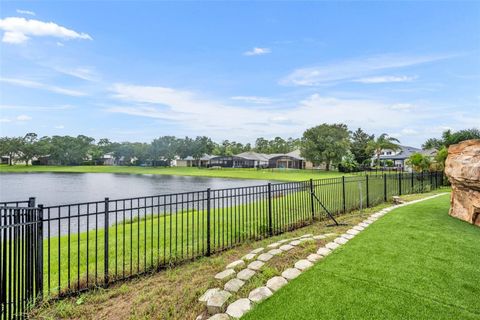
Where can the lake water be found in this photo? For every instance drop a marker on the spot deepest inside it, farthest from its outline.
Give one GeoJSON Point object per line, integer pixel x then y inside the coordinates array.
{"type": "Point", "coordinates": [63, 188]}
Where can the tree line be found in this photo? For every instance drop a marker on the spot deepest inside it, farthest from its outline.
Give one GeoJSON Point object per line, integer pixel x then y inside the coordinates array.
{"type": "Point", "coordinates": [68, 150]}
{"type": "Point", "coordinates": [329, 144]}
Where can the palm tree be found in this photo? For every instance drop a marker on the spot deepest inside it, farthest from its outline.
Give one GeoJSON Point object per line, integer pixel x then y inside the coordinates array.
{"type": "Point", "coordinates": [383, 142]}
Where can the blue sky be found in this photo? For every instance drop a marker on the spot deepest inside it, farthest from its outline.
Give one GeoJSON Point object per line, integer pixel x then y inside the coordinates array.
{"type": "Point", "coordinates": [133, 71]}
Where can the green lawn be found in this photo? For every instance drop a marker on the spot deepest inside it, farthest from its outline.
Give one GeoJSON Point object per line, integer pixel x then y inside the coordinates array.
{"type": "Point", "coordinates": [415, 263]}
{"type": "Point", "coordinates": [264, 174]}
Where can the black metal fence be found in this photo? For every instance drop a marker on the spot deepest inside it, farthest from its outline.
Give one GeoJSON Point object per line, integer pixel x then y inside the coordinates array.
{"type": "Point", "coordinates": [20, 257]}
{"type": "Point", "coordinates": [91, 244]}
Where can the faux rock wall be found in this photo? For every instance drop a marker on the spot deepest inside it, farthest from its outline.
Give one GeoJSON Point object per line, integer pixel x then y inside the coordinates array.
{"type": "Point", "coordinates": [463, 170]}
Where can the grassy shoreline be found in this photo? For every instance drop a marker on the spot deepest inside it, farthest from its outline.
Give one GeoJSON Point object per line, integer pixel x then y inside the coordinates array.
{"type": "Point", "coordinates": [411, 264]}
{"type": "Point", "coordinates": [256, 174]}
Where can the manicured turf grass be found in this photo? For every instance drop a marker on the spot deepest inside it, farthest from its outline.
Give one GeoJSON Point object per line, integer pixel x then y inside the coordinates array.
{"type": "Point", "coordinates": [264, 174]}
{"type": "Point", "coordinates": [415, 263]}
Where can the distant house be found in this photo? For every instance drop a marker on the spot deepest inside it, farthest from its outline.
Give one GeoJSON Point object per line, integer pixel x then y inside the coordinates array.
{"type": "Point", "coordinates": [189, 161]}
{"type": "Point", "coordinates": [399, 157]}
{"type": "Point", "coordinates": [108, 159]}
{"type": "Point", "coordinates": [291, 160]}
{"type": "Point", "coordinates": [250, 159]}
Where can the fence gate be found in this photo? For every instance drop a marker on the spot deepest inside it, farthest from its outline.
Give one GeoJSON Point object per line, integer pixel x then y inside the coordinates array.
{"type": "Point", "coordinates": [21, 257]}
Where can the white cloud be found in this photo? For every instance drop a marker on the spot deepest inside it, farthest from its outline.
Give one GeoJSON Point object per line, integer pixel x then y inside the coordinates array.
{"type": "Point", "coordinates": [60, 126]}
{"type": "Point", "coordinates": [197, 115]}
{"type": "Point", "coordinates": [403, 106]}
{"type": "Point", "coordinates": [27, 12]}
{"type": "Point", "coordinates": [59, 44]}
{"type": "Point", "coordinates": [354, 68]}
{"type": "Point", "coordinates": [23, 117]}
{"type": "Point", "coordinates": [17, 30]}
{"type": "Point", "coordinates": [5, 120]}
{"type": "Point", "coordinates": [84, 73]}
{"type": "Point", "coordinates": [257, 52]}
{"type": "Point", "coordinates": [385, 79]}
{"type": "Point", "coordinates": [254, 99]}
{"type": "Point", "coordinates": [35, 108]}
{"type": "Point", "coordinates": [39, 85]}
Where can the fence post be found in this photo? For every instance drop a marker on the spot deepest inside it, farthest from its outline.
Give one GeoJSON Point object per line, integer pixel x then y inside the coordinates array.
{"type": "Point", "coordinates": [106, 249]}
{"type": "Point", "coordinates": [270, 226]}
{"type": "Point", "coordinates": [209, 249]}
{"type": "Point", "coordinates": [39, 267]}
{"type": "Point", "coordinates": [311, 199]}
{"type": "Point", "coordinates": [431, 179]}
{"type": "Point", "coordinates": [385, 187]}
{"type": "Point", "coordinates": [343, 195]}
{"type": "Point", "coordinates": [400, 176]}
{"type": "Point", "coordinates": [421, 180]}
{"type": "Point", "coordinates": [412, 191]}
{"type": "Point", "coordinates": [367, 191]}
{"type": "Point", "coordinates": [31, 202]}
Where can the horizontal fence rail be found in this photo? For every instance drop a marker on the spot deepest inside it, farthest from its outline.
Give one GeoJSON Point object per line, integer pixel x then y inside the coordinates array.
{"type": "Point", "coordinates": [91, 244]}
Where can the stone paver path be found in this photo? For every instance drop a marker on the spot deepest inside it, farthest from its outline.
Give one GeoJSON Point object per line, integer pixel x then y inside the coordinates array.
{"type": "Point", "coordinates": [276, 283]}
{"type": "Point", "coordinates": [259, 294]}
{"type": "Point", "coordinates": [245, 274]}
{"type": "Point", "coordinates": [291, 273]}
{"type": "Point", "coordinates": [239, 308]}
{"type": "Point", "coordinates": [234, 285]}
{"type": "Point", "coordinates": [225, 274]}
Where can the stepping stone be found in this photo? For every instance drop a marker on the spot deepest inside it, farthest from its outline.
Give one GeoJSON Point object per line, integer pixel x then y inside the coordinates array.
{"type": "Point", "coordinates": [332, 245]}
{"type": "Point", "coordinates": [238, 308]}
{"type": "Point", "coordinates": [347, 236]}
{"type": "Point", "coordinates": [235, 264]}
{"type": "Point", "coordinates": [330, 234]}
{"type": "Point", "coordinates": [245, 274]}
{"type": "Point", "coordinates": [353, 232]}
{"type": "Point", "coordinates": [303, 264]}
{"type": "Point", "coordinates": [358, 228]}
{"type": "Point", "coordinates": [219, 316]}
{"type": "Point", "coordinates": [308, 235]}
{"type": "Point", "coordinates": [259, 294]}
{"type": "Point", "coordinates": [324, 251]}
{"type": "Point", "coordinates": [340, 240]}
{"type": "Point", "coordinates": [233, 285]}
{"type": "Point", "coordinates": [314, 257]}
{"type": "Point", "coordinates": [274, 245]}
{"type": "Point", "coordinates": [225, 274]}
{"type": "Point", "coordinates": [295, 242]}
{"type": "Point", "coordinates": [249, 256]}
{"type": "Point", "coordinates": [217, 302]}
{"type": "Point", "coordinates": [306, 239]}
{"type": "Point", "coordinates": [257, 250]}
{"type": "Point", "coordinates": [208, 294]}
{"type": "Point", "coordinates": [256, 265]}
{"type": "Point", "coordinates": [364, 224]}
{"type": "Point", "coordinates": [291, 273]}
{"type": "Point", "coordinates": [264, 257]}
{"type": "Point", "coordinates": [283, 240]}
{"type": "Point", "coordinates": [276, 283]}
{"type": "Point", "coordinates": [319, 237]}
{"type": "Point", "coordinates": [275, 252]}
{"type": "Point", "coordinates": [286, 247]}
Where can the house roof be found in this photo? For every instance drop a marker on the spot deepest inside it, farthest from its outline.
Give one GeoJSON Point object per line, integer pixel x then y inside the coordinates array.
{"type": "Point", "coordinates": [250, 155]}
{"type": "Point", "coordinates": [406, 152]}
{"type": "Point", "coordinates": [294, 154]}
{"type": "Point", "coordinates": [205, 157]}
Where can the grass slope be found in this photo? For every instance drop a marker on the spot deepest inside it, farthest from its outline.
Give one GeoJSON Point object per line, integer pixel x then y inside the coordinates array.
{"type": "Point", "coordinates": [415, 263]}
{"type": "Point", "coordinates": [265, 174]}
